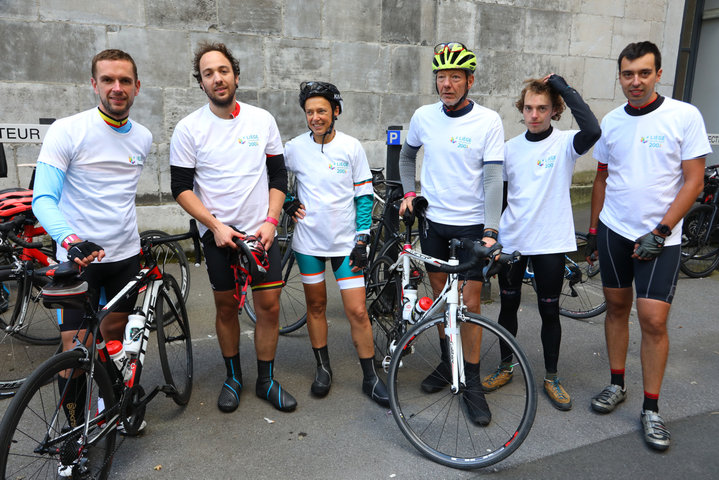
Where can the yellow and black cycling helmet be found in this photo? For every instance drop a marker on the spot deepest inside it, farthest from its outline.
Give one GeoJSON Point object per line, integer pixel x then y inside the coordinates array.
{"type": "Point", "coordinates": [453, 55]}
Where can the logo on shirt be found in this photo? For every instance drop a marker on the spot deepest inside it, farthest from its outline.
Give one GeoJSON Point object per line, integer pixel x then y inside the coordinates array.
{"type": "Point", "coordinates": [135, 159]}
{"type": "Point", "coordinates": [338, 166]}
{"type": "Point", "coordinates": [460, 142]}
{"type": "Point", "coordinates": [249, 140]}
{"type": "Point", "coordinates": [653, 141]}
{"type": "Point", "coordinates": [547, 162]}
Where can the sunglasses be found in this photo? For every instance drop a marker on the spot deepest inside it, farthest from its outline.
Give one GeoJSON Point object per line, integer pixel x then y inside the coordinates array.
{"type": "Point", "coordinates": [305, 85]}
{"type": "Point", "coordinates": [451, 46]}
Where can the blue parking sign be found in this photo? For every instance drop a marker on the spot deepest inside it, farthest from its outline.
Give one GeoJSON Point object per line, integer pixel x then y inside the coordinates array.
{"type": "Point", "coordinates": [393, 137]}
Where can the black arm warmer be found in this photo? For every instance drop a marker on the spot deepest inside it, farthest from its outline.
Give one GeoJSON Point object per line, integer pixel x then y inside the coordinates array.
{"type": "Point", "coordinates": [589, 131]}
{"type": "Point", "coordinates": [181, 179]}
{"type": "Point", "coordinates": [277, 172]}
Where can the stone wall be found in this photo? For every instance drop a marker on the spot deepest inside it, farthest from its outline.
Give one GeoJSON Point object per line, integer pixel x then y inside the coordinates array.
{"type": "Point", "coordinates": [378, 52]}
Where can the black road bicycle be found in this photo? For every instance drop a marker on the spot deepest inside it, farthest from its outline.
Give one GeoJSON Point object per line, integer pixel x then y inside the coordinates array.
{"type": "Point", "coordinates": [700, 231]}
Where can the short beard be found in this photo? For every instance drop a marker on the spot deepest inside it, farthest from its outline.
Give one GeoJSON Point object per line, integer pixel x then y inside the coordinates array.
{"type": "Point", "coordinates": [113, 112]}
{"type": "Point", "coordinates": [230, 100]}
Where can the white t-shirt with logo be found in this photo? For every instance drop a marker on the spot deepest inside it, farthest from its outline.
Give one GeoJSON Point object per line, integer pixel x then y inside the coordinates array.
{"type": "Point", "coordinates": [644, 157]}
{"type": "Point", "coordinates": [102, 169]}
{"type": "Point", "coordinates": [455, 150]}
{"type": "Point", "coordinates": [229, 157]}
{"type": "Point", "coordinates": [538, 219]}
{"type": "Point", "coordinates": [328, 180]}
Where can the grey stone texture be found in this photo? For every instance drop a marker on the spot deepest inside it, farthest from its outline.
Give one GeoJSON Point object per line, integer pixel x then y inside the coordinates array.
{"type": "Point", "coordinates": [378, 53]}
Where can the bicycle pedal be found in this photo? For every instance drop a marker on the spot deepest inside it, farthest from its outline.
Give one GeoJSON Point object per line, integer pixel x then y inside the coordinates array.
{"type": "Point", "coordinates": [168, 390]}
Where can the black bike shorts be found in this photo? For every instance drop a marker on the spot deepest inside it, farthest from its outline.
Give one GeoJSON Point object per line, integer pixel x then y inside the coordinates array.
{"type": "Point", "coordinates": [104, 280]}
{"type": "Point", "coordinates": [435, 242]}
{"type": "Point", "coordinates": [656, 279]}
{"type": "Point", "coordinates": [222, 277]}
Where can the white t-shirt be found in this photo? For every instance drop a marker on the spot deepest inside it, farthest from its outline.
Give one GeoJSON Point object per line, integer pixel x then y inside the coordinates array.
{"type": "Point", "coordinates": [102, 169]}
{"type": "Point", "coordinates": [538, 218]}
{"type": "Point", "coordinates": [229, 157]}
{"type": "Point", "coordinates": [455, 150]}
{"type": "Point", "coordinates": [327, 184]}
{"type": "Point", "coordinates": [644, 157]}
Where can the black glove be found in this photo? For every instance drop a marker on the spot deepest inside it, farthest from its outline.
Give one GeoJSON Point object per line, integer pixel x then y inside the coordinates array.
{"type": "Point", "coordinates": [591, 246]}
{"type": "Point", "coordinates": [650, 246]}
{"type": "Point", "coordinates": [556, 82]}
{"type": "Point", "coordinates": [358, 256]}
{"type": "Point", "coordinates": [292, 206]}
{"type": "Point", "coordinates": [82, 249]}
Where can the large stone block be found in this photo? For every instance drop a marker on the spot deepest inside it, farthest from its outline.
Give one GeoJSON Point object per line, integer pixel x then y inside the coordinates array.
{"type": "Point", "coordinates": [547, 32]}
{"type": "Point", "coordinates": [251, 16]}
{"type": "Point", "coordinates": [248, 49]}
{"type": "Point", "coordinates": [376, 152]}
{"type": "Point", "coordinates": [501, 27]}
{"type": "Point", "coordinates": [180, 102]}
{"type": "Point", "coordinates": [649, 10]}
{"type": "Point", "coordinates": [18, 8]}
{"type": "Point", "coordinates": [125, 12]}
{"type": "Point", "coordinates": [591, 35]}
{"type": "Point", "coordinates": [292, 61]}
{"type": "Point", "coordinates": [408, 21]}
{"type": "Point", "coordinates": [181, 14]}
{"type": "Point", "coordinates": [361, 66]}
{"type": "Point", "coordinates": [168, 217]}
{"type": "Point", "coordinates": [457, 21]}
{"type": "Point", "coordinates": [149, 110]}
{"type": "Point", "coordinates": [361, 117]}
{"type": "Point", "coordinates": [148, 188]}
{"type": "Point", "coordinates": [285, 107]}
{"type": "Point", "coordinates": [498, 73]}
{"type": "Point", "coordinates": [48, 52]}
{"type": "Point", "coordinates": [25, 158]}
{"type": "Point", "coordinates": [303, 19]}
{"type": "Point", "coordinates": [411, 70]}
{"type": "Point", "coordinates": [27, 102]}
{"type": "Point", "coordinates": [550, 5]}
{"type": "Point", "coordinates": [353, 20]}
{"type": "Point", "coordinates": [398, 109]}
{"type": "Point", "coordinates": [600, 81]}
{"type": "Point", "coordinates": [612, 8]}
{"type": "Point", "coordinates": [162, 56]}
{"type": "Point", "coordinates": [627, 31]}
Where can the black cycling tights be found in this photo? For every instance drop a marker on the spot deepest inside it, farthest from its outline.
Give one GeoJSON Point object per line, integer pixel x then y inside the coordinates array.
{"type": "Point", "coordinates": [549, 275]}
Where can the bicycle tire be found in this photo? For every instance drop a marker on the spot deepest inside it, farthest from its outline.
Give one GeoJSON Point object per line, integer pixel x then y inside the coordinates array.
{"type": "Point", "coordinates": [436, 424]}
{"type": "Point", "coordinates": [582, 294]}
{"type": "Point", "coordinates": [29, 333]}
{"type": "Point", "coordinates": [700, 245]}
{"type": "Point", "coordinates": [174, 341]}
{"type": "Point", "coordinates": [35, 430]}
{"type": "Point", "coordinates": [383, 308]}
{"type": "Point", "coordinates": [293, 309]}
{"type": "Point", "coordinates": [171, 259]}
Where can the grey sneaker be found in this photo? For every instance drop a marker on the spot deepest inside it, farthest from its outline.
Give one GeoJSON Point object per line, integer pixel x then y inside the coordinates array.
{"type": "Point", "coordinates": [609, 398]}
{"type": "Point", "coordinates": [655, 432]}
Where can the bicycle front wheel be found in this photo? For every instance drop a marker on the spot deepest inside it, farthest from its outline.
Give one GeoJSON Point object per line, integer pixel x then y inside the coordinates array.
{"type": "Point", "coordinates": [37, 435]}
{"type": "Point", "coordinates": [700, 245]}
{"type": "Point", "coordinates": [582, 293]}
{"type": "Point", "coordinates": [437, 424]}
{"type": "Point", "coordinates": [174, 341]}
{"type": "Point", "coordinates": [172, 260]}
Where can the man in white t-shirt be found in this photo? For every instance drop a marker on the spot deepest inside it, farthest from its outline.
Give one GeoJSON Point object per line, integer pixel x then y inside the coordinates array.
{"type": "Point", "coordinates": [462, 181]}
{"type": "Point", "coordinates": [86, 179]}
{"type": "Point", "coordinates": [227, 170]}
{"type": "Point", "coordinates": [650, 172]}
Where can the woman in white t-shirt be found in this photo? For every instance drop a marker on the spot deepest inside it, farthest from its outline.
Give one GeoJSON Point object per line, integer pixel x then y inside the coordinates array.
{"type": "Point", "coordinates": [333, 214]}
{"type": "Point", "coordinates": [538, 220]}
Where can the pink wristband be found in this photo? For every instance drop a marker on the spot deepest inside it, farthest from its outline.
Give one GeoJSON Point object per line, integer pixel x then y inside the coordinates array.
{"type": "Point", "coordinates": [593, 231]}
{"type": "Point", "coordinates": [271, 220]}
{"type": "Point", "coordinates": [410, 194]}
{"type": "Point", "coordinates": [72, 238]}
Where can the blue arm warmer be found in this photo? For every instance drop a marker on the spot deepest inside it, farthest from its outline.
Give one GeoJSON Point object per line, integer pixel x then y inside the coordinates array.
{"type": "Point", "coordinates": [45, 199]}
{"type": "Point", "coordinates": [363, 219]}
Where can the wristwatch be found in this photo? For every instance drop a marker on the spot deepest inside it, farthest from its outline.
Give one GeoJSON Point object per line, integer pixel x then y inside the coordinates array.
{"type": "Point", "coordinates": [490, 233]}
{"type": "Point", "coordinates": [362, 237]}
{"type": "Point", "coordinates": [663, 229]}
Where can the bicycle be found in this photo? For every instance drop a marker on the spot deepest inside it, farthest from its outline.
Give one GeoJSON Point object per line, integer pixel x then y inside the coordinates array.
{"type": "Point", "coordinates": [37, 437]}
{"type": "Point", "coordinates": [29, 333]}
{"type": "Point", "coordinates": [437, 424]}
{"type": "Point", "coordinates": [582, 294]}
{"type": "Point", "coordinates": [700, 230]}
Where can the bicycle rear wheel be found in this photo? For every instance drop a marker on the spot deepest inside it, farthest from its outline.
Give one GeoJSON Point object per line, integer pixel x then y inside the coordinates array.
{"type": "Point", "coordinates": [174, 341]}
{"type": "Point", "coordinates": [437, 424]}
{"type": "Point", "coordinates": [582, 293]}
{"type": "Point", "coordinates": [700, 245]}
{"type": "Point", "coordinates": [36, 433]}
{"type": "Point", "coordinates": [293, 309]}
{"type": "Point", "coordinates": [383, 307]}
{"type": "Point", "coordinates": [29, 333]}
{"type": "Point", "coordinates": [172, 260]}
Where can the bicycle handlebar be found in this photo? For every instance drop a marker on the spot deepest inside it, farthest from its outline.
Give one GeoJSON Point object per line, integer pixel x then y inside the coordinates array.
{"type": "Point", "coordinates": [481, 252]}
{"type": "Point", "coordinates": [8, 228]}
{"type": "Point", "coordinates": [193, 233]}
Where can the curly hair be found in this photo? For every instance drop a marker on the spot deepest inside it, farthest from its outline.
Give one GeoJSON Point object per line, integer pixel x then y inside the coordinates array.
{"type": "Point", "coordinates": [537, 86]}
{"type": "Point", "coordinates": [112, 54]}
{"type": "Point", "coordinates": [205, 47]}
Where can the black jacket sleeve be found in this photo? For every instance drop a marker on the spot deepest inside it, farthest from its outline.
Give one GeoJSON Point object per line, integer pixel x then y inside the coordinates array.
{"type": "Point", "coordinates": [589, 131]}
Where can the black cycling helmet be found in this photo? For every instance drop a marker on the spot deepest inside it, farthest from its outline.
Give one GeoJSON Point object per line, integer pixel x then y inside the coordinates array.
{"type": "Point", "coordinates": [320, 89]}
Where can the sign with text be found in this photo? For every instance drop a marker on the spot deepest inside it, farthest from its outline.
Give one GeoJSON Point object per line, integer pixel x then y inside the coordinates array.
{"type": "Point", "coordinates": [713, 138]}
{"type": "Point", "coordinates": [22, 133]}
